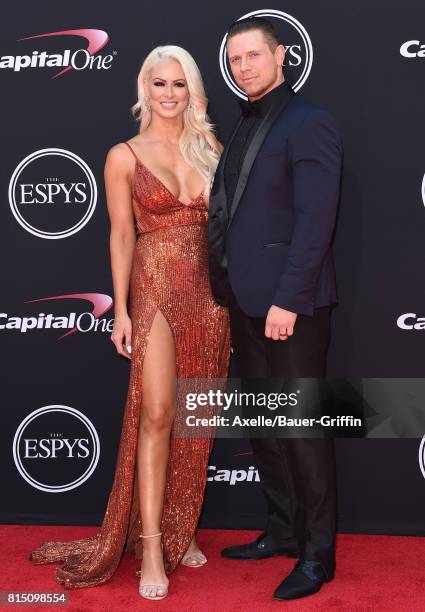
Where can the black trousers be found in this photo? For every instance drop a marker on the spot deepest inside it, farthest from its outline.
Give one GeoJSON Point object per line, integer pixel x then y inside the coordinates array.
{"type": "Point", "coordinates": [297, 474]}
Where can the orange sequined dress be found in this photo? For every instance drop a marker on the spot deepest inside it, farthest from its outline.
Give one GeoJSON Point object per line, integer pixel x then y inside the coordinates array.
{"type": "Point", "coordinates": [169, 273]}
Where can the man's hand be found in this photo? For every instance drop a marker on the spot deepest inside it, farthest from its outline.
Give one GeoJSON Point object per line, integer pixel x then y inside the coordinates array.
{"type": "Point", "coordinates": [280, 323]}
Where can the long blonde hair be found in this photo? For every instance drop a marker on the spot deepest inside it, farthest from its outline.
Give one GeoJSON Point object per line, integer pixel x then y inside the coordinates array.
{"type": "Point", "coordinates": [198, 143]}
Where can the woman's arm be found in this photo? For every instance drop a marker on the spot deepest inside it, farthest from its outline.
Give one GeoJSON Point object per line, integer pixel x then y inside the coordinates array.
{"type": "Point", "coordinates": [118, 173]}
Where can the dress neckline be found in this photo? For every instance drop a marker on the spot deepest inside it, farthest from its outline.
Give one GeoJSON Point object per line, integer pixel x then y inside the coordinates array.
{"type": "Point", "coordinates": [158, 180]}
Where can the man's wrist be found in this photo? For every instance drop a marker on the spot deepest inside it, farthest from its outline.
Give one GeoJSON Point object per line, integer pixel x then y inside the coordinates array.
{"type": "Point", "coordinates": [284, 308]}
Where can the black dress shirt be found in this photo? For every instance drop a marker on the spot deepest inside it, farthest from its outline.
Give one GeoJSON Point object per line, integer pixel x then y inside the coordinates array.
{"type": "Point", "coordinates": [253, 114]}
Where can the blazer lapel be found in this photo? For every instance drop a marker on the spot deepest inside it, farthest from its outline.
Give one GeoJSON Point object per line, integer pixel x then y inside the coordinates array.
{"type": "Point", "coordinates": [253, 149]}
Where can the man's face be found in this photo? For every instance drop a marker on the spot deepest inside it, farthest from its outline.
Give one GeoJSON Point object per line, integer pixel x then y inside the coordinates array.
{"type": "Point", "coordinates": [255, 67]}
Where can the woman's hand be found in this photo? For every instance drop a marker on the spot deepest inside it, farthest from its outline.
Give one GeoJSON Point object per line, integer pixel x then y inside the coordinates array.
{"type": "Point", "coordinates": [121, 335]}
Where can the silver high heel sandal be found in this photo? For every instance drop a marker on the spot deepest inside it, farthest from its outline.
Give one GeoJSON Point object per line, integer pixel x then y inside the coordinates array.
{"type": "Point", "coordinates": [152, 591]}
{"type": "Point", "coordinates": [195, 559]}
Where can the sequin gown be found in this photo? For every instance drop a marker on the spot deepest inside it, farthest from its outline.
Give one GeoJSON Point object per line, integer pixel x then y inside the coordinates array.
{"type": "Point", "coordinates": [170, 273]}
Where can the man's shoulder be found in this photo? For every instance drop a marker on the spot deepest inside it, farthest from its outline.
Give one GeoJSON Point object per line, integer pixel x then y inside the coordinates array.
{"type": "Point", "coordinates": [302, 117]}
{"type": "Point", "coordinates": [301, 109]}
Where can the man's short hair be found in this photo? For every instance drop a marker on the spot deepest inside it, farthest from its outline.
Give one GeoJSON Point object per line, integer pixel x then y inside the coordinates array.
{"type": "Point", "coordinates": [256, 23]}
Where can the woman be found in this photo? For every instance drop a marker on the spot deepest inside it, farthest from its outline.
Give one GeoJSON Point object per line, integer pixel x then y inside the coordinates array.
{"type": "Point", "coordinates": [173, 329]}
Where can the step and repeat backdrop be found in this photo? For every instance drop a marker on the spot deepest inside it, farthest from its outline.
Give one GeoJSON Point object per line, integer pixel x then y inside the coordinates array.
{"type": "Point", "coordinates": [68, 78]}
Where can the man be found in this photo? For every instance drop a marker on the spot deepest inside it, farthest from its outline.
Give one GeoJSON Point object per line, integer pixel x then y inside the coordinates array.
{"type": "Point", "coordinates": [272, 214]}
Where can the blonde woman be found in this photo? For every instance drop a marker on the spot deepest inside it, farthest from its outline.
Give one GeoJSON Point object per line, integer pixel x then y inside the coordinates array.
{"type": "Point", "coordinates": [172, 329]}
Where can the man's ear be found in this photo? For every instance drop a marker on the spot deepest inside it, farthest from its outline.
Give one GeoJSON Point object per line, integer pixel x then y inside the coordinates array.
{"type": "Point", "coordinates": [280, 54]}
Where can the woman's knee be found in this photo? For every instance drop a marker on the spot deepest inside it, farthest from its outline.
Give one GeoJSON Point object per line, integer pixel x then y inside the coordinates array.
{"type": "Point", "coordinates": [156, 417]}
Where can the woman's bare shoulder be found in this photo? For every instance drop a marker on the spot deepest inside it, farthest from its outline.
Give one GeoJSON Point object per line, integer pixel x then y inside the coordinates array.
{"type": "Point", "coordinates": [118, 153]}
{"type": "Point", "coordinates": [119, 159]}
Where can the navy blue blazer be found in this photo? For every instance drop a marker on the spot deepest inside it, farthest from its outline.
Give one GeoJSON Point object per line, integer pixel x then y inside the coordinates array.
{"type": "Point", "coordinates": [274, 247]}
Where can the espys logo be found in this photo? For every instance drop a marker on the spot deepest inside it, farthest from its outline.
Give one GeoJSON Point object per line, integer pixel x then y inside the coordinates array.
{"type": "Point", "coordinates": [52, 193]}
{"type": "Point", "coordinates": [56, 448]}
{"type": "Point", "coordinates": [422, 456]}
{"type": "Point", "coordinates": [410, 320]}
{"type": "Point", "coordinates": [299, 50]}
{"type": "Point", "coordinates": [67, 59]}
{"type": "Point", "coordinates": [423, 189]}
{"type": "Point", "coordinates": [83, 322]}
{"type": "Point", "coordinates": [412, 48]}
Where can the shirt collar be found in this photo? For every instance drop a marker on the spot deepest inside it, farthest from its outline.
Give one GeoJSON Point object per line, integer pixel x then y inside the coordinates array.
{"type": "Point", "coordinates": [261, 107]}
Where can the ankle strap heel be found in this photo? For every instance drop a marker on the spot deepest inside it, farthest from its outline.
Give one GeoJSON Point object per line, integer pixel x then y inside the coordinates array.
{"type": "Point", "coordinates": [152, 591]}
{"type": "Point", "coordinates": [153, 535]}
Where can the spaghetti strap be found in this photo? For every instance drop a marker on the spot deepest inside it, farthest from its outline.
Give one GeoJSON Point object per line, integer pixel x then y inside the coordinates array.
{"type": "Point", "coordinates": [132, 150]}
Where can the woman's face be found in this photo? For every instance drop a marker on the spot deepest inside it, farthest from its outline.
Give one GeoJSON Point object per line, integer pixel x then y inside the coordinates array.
{"type": "Point", "coordinates": [167, 89]}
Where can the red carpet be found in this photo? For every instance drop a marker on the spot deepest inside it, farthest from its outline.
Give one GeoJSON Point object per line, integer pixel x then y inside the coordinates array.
{"type": "Point", "coordinates": [374, 573]}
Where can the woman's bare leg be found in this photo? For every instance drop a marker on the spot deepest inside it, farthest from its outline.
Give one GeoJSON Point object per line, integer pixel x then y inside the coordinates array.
{"type": "Point", "coordinates": [157, 412]}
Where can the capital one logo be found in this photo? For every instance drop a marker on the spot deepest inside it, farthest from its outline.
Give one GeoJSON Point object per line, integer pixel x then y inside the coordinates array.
{"type": "Point", "coordinates": [52, 193]}
{"type": "Point", "coordinates": [56, 448]}
{"type": "Point", "coordinates": [410, 320]}
{"type": "Point", "coordinates": [412, 48]}
{"type": "Point", "coordinates": [72, 321]}
{"type": "Point", "coordinates": [294, 37]}
{"type": "Point", "coordinates": [67, 59]}
{"type": "Point", "coordinates": [232, 477]}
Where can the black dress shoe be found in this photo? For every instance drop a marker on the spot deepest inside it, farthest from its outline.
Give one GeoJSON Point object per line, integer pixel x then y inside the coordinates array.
{"type": "Point", "coordinates": [262, 548]}
{"type": "Point", "coordinates": [306, 578]}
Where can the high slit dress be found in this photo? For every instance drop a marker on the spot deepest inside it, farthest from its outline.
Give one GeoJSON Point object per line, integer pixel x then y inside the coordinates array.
{"type": "Point", "coordinates": [169, 273]}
